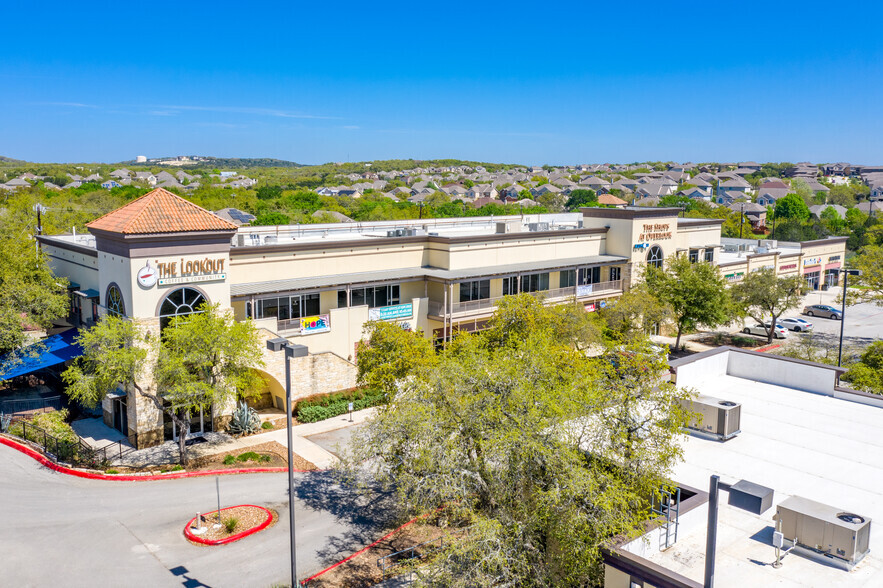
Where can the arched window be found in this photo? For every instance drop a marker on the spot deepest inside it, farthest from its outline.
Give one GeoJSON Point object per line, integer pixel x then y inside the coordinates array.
{"type": "Point", "coordinates": [654, 257]}
{"type": "Point", "coordinates": [113, 300]}
{"type": "Point", "coordinates": [180, 302]}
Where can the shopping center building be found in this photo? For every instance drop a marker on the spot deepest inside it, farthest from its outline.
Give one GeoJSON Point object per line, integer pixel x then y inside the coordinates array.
{"type": "Point", "coordinates": [318, 285]}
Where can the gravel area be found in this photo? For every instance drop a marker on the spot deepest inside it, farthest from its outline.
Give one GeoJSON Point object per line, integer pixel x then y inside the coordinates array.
{"type": "Point", "coordinates": [248, 517]}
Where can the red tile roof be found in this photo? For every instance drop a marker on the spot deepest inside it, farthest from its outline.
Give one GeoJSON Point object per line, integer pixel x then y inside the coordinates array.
{"type": "Point", "coordinates": [610, 200]}
{"type": "Point", "coordinates": [160, 211]}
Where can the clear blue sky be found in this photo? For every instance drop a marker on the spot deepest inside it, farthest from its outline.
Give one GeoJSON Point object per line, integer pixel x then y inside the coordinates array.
{"type": "Point", "coordinates": [531, 83]}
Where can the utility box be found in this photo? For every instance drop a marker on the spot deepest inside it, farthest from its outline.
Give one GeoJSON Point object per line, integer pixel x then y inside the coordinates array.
{"type": "Point", "coordinates": [824, 529]}
{"type": "Point", "coordinates": [751, 497]}
{"type": "Point", "coordinates": [717, 418]}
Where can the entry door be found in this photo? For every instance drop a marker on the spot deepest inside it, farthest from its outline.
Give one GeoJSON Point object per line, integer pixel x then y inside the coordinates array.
{"type": "Point", "coordinates": [121, 415]}
{"type": "Point", "coordinates": [200, 422]}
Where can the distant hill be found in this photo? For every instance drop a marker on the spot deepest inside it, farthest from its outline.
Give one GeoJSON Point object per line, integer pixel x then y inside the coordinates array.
{"type": "Point", "coordinates": [10, 160]}
{"type": "Point", "coordinates": [231, 162]}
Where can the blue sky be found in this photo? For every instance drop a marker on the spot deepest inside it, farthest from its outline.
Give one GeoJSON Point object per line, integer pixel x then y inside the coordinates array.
{"type": "Point", "coordinates": [505, 82]}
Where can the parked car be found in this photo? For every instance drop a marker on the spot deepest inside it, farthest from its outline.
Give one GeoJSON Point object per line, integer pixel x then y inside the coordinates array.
{"type": "Point", "coordinates": [779, 332]}
{"type": "Point", "coordinates": [796, 324]}
{"type": "Point", "coordinates": [823, 310]}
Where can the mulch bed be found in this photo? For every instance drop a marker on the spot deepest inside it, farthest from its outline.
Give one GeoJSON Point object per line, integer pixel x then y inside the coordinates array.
{"type": "Point", "coordinates": [362, 570]}
{"type": "Point", "coordinates": [248, 517]}
{"type": "Point", "coordinates": [275, 452]}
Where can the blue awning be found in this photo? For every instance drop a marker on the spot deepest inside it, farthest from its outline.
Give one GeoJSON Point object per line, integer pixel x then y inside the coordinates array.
{"type": "Point", "coordinates": [51, 351]}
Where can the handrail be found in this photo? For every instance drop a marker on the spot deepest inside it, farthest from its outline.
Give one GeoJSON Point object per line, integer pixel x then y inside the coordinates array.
{"type": "Point", "coordinates": [75, 452]}
{"type": "Point", "coordinates": [436, 308]}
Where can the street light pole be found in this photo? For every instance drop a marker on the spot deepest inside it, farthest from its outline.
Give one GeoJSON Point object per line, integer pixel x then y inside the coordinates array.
{"type": "Point", "coordinates": [282, 344]}
{"type": "Point", "coordinates": [741, 218]}
{"type": "Point", "coordinates": [846, 273]}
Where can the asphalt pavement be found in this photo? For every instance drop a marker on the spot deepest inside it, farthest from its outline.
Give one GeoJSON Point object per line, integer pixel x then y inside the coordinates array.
{"type": "Point", "coordinates": [58, 530]}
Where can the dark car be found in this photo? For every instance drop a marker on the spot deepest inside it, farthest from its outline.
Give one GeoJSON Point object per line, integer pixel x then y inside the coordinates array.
{"type": "Point", "coordinates": [824, 311]}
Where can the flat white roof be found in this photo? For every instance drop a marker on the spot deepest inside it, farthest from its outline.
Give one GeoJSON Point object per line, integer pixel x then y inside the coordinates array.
{"type": "Point", "coordinates": [798, 443]}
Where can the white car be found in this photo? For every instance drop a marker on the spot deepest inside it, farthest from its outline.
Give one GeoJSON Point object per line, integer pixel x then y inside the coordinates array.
{"type": "Point", "coordinates": [798, 325]}
{"type": "Point", "coordinates": [779, 332]}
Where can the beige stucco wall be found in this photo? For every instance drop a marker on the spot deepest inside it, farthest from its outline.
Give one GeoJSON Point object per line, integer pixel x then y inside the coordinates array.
{"type": "Point", "coordinates": [76, 267]}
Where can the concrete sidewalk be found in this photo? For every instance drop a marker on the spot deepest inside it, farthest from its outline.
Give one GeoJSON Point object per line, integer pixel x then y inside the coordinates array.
{"type": "Point", "coordinates": [222, 443]}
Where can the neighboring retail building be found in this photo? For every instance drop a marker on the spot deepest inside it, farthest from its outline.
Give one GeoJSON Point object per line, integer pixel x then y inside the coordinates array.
{"type": "Point", "coordinates": [318, 285]}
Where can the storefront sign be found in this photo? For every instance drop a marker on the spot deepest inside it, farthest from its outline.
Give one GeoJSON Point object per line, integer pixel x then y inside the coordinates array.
{"type": "Point", "coordinates": [310, 325]}
{"type": "Point", "coordinates": [584, 290]}
{"type": "Point", "coordinates": [655, 232]}
{"type": "Point", "coordinates": [190, 271]}
{"type": "Point", "coordinates": [834, 258]}
{"type": "Point", "coordinates": [388, 313]}
{"type": "Point", "coordinates": [147, 276]}
{"type": "Point", "coordinates": [790, 266]}
{"type": "Point", "coordinates": [734, 276]}
{"type": "Point", "coordinates": [590, 307]}
{"type": "Point", "coordinates": [812, 261]}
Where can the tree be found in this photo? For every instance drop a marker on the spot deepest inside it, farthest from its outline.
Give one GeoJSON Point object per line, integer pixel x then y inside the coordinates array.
{"type": "Point", "coordinates": [580, 198]}
{"type": "Point", "coordinates": [388, 353]}
{"type": "Point", "coordinates": [634, 314]}
{"type": "Point", "coordinates": [867, 374]}
{"type": "Point", "coordinates": [696, 293]}
{"type": "Point", "coordinates": [271, 218]}
{"type": "Point", "coordinates": [763, 296]}
{"type": "Point", "coordinates": [199, 360]}
{"type": "Point", "coordinates": [832, 221]}
{"type": "Point", "coordinates": [869, 285]}
{"type": "Point", "coordinates": [792, 207]}
{"type": "Point", "coordinates": [540, 453]}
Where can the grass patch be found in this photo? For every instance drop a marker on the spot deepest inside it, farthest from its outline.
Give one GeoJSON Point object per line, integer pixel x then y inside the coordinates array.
{"type": "Point", "coordinates": [250, 456]}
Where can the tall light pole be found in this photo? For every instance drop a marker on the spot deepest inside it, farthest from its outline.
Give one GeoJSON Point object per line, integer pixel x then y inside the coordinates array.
{"type": "Point", "coordinates": [291, 350]}
{"type": "Point", "coordinates": [741, 218]}
{"type": "Point", "coordinates": [846, 273]}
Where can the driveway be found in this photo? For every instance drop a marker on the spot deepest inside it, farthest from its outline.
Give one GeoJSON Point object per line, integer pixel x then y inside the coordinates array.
{"type": "Point", "coordinates": [61, 530]}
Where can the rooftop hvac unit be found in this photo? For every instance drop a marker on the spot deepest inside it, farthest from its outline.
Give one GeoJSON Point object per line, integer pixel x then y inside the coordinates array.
{"type": "Point", "coordinates": [538, 227]}
{"type": "Point", "coordinates": [391, 233]}
{"type": "Point", "coordinates": [400, 232]}
{"type": "Point", "coordinates": [270, 239]}
{"type": "Point", "coordinates": [717, 418]}
{"type": "Point", "coordinates": [824, 529]}
{"type": "Point", "coordinates": [240, 240]}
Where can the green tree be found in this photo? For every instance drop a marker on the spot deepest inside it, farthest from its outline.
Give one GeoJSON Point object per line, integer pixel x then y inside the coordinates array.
{"type": "Point", "coordinates": [832, 221]}
{"type": "Point", "coordinates": [867, 373]}
{"type": "Point", "coordinates": [540, 453]}
{"type": "Point", "coordinates": [633, 315]}
{"type": "Point", "coordinates": [869, 285]}
{"type": "Point", "coordinates": [200, 360]}
{"type": "Point", "coordinates": [271, 218]}
{"type": "Point", "coordinates": [792, 207]}
{"type": "Point", "coordinates": [763, 296]}
{"type": "Point", "coordinates": [581, 197]}
{"type": "Point", "coordinates": [388, 353]}
{"type": "Point", "coordinates": [696, 293]}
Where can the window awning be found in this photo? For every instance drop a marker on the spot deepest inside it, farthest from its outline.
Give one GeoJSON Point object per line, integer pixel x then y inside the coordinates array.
{"type": "Point", "coordinates": [90, 293]}
{"type": "Point", "coordinates": [51, 351]}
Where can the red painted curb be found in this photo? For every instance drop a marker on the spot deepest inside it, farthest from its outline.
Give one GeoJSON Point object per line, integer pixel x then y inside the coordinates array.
{"type": "Point", "coordinates": [366, 548]}
{"type": "Point", "coordinates": [768, 348]}
{"type": "Point", "coordinates": [231, 538]}
{"type": "Point", "coordinates": [131, 478]}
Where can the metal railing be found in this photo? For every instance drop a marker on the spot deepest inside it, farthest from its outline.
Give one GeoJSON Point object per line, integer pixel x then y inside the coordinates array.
{"type": "Point", "coordinates": [30, 405]}
{"type": "Point", "coordinates": [58, 450]}
{"type": "Point", "coordinates": [437, 308]}
{"type": "Point", "coordinates": [419, 551]}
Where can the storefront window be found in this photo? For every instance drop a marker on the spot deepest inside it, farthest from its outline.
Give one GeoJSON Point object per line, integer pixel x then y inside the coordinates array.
{"type": "Point", "coordinates": [475, 290]}
{"type": "Point", "coordinates": [709, 255]}
{"type": "Point", "coordinates": [567, 279]}
{"type": "Point", "coordinates": [654, 256]}
{"type": "Point", "coordinates": [114, 300]}
{"type": "Point", "coordinates": [288, 307]}
{"type": "Point", "coordinates": [615, 274]}
{"type": "Point", "coordinates": [589, 275]}
{"type": "Point", "coordinates": [535, 282]}
{"type": "Point", "coordinates": [694, 256]}
{"type": "Point", "coordinates": [510, 286]}
{"type": "Point", "coordinates": [180, 302]}
{"type": "Point", "coordinates": [373, 296]}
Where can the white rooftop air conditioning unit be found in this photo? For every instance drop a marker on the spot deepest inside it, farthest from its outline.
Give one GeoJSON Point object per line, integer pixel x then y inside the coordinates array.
{"type": "Point", "coordinates": [824, 529]}
{"type": "Point", "coordinates": [716, 418]}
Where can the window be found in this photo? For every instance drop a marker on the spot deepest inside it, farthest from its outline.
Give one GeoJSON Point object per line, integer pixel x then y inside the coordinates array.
{"type": "Point", "coordinates": [615, 274]}
{"type": "Point", "coordinates": [180, 302]}
{"type": "Point", "coordinates": [654, 256]}
{"type": "Point", "coordinates": [373, 296]}
{"type": "Point", "coordinates": [475, 290]}
{"type": "Point", "coordinates": [694, 256]}
{"type": "Point", "coordinates": [567, 278]}
{"type": "Point", "coordinates": [510, 286]}
{"type": "Point", "coordinates": [288, 307]}
{"type": "Point", "coordinates": [709, 255]}
{"type": "Point", "coordinates": [113, 300]}
{"type": "Point", "coordinates": [589, 275]}
{"type": "Point", "coordinates": [535, 282]}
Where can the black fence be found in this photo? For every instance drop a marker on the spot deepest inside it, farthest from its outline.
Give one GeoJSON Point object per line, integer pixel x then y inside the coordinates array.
{"type": "Point", "coordinates": [30, 405]}
{"type": "Point", "coordinates": [76, 453]}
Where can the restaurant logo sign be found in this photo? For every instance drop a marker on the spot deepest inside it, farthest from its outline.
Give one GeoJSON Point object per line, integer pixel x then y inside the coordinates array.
{"type": "Point", "coordinates": [310, 325]}
{"type": "Point", "coordinates": [787, 267]}
{"type": "Point", "coordinates": [812, 261]}
{"type": "Point", "coordinates": [389, 313]}
{"type": "Point", "coordinates": [655, 232]}
{"type": "Point", "coordinates": [190, 271]}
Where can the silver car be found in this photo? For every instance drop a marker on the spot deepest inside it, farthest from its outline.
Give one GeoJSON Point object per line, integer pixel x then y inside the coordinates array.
{"type": "Point", "coordinates": [796, 324]}
{"type": "Point", "coordinates": [779, 332]}
{"type": "Point", "coordinates": [823, 310]}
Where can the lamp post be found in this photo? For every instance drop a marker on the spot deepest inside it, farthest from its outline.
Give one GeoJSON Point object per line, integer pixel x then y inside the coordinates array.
{"type": "Point", "coordinates": [282, 344]}
{"type": "Point", "coordinates": [741, 218]}
{"type": "Point", "coordinates": [846, 273]}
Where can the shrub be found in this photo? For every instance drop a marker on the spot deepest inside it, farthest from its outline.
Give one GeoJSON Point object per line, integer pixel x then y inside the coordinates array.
{"type": "Point", "coordinates": [319, 408]}
{"type": "Point", "coordinates": [267, 425]}
{"type": "Point", "coordinates": [112, 472]}
{"type": "Point", "coordinates": [230, 524]}
{"type": "Point", "coordinates": [229, 460]}
{"type": "Point", "coordinates": [177, 468]}
{"type": "Point", "coordinates": [249, 456]}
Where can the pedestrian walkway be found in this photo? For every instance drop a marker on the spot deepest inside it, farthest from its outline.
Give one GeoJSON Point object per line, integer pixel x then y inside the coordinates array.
{"type": "Point", "coordinates": [222, 443]}
{"type": "Point", "coordinates": [96, 434]}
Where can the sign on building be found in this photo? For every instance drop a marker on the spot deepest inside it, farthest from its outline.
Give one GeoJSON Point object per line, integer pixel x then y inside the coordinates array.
{"type": "Point", "coordinates": [390, 313]}
{"type": "Point", "coordinates": [310, 325]}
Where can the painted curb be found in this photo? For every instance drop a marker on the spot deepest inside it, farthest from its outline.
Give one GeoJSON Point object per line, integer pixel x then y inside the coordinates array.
{"type": "Point", "coordinates": [133, 478]}
{"type": "Point", "coordinates": [367, 547]}
{"type": "Point", "coordinates": [768, 348]}
{"type": "Point", "coordinates": [231, 538]}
